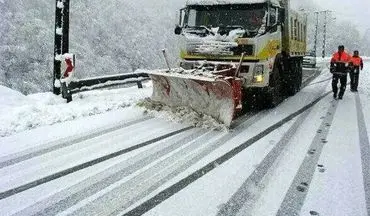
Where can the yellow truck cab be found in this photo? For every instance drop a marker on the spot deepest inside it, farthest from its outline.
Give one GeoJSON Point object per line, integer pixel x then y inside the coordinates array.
{"type": "Point", "coordinates": [270, 34]}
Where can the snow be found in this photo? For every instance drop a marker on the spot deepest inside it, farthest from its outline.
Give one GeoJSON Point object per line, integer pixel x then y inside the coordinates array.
{"type": "Point", "coordinates": [59, 31]}
{"type": "Point", "coordinates": [20, 113]}
{"type": "Point", "coordinates": [340, 186]}
{"type": "Point", "coordinates": [11, 98]}
{"type": "Point", "coordinates": [57, 83]}
{"type": "Point", "coordinates": [209, 45]}
{"type": "Point", "coordinates": [36, 168]}
{"type": "Point", "coordinates": [218, 185]}
{"type": "Point", "coordinates": [60, 4]}
{"type": "Point", "coordinates": [284, 170]}
{"type": "Point", "coordinates": [339, 189]}
{"type": "Point", "coordinates": [181, 115]}
{"type": "Point", "coordinates": [230, 37]}
{"type": "Point", "coordinates": [103, 170]}
{"type": "Point", "coordinates": [204, 75]}
{"type": "Point", "coordinates": [58, 57]}
{"type": "Point", "coordinates": [215, 44]}
{"type": "Point", "coordinates": [208, 195]}
{"type": "Point", "coordinates": [68, 130]}
{"type": "Point", "coordinates": [113, 83]}
{"type": "Point", "coordinates": [115, 75]}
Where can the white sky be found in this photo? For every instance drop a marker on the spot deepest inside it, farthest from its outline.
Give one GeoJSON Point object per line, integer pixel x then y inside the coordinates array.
{"type": "Point", "coordinates": [358, 11]}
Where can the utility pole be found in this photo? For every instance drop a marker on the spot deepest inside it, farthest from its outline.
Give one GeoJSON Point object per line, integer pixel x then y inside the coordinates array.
{"type": "Point", "coordinates": [65, 38]}
{"type": "Point", "coordinates": [61, 47]}
{"type": "Point", "coordinates": [317, 13]}
{"type": "Point", "coordinates": [316, 30]}
{"type": "Point", "coordinates": [325, 26]}
{"type": "Point", "coordinates": [61, 40]}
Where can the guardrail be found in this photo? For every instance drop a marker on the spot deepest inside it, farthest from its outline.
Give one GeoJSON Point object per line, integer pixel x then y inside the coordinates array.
{"type": "Point", "coordinates": [88, 84]}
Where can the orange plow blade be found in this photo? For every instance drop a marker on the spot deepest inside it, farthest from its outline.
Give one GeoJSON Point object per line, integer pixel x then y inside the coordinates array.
{"type": "Point", "coordinates": [214, 95]}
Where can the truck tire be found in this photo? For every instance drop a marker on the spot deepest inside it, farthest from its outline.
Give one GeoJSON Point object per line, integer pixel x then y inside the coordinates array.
{"type": "Point", "coordinates": [274, 91]}
{"type": "Point", "coordinates": [300, 78]}
{"type": "Point", "coordinates": [293, 82]}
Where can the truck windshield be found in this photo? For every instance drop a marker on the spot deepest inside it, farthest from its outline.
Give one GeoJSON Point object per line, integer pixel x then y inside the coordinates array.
{"type": "Point", "coordinates": [250, 17]}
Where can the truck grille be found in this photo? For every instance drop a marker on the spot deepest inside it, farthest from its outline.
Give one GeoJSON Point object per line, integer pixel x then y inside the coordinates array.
{"type": "Point", "coordinates": [219, 48]}
{"type": "Point", "coordinates": [211, 48]}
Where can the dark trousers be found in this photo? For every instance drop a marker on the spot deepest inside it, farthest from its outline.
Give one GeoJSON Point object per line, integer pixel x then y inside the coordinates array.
{"type": "Point", "coordinates": [343, 84]}
{"type": "Point", "coordinates": [354, 75]}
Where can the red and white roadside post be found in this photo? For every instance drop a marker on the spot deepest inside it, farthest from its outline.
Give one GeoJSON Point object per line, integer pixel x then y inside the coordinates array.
{"type": "Point", "coordinates": [66, 76]}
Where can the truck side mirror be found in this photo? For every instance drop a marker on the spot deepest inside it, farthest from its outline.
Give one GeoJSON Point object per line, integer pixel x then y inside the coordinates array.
{"type": "Point", "coordinates": [178, 30]}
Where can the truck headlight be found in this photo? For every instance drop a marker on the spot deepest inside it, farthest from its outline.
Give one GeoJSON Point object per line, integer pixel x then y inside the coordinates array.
{"type": "Point", "coordinates": [258, 73]}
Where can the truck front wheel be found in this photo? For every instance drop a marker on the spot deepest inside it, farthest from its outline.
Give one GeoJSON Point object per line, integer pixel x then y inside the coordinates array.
{"type": "Point", "coordinates": [274, 90]}
{"type": "Point", "coordinates": [293, 81]}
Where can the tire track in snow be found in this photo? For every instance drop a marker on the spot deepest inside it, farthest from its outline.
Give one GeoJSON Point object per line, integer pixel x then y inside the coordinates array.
{"type": "Point", "coordinates": [298, 190]}
{"type": "Point", "coordinates": [307, 80]}
{"type": "Point", "coordinates": [53, 146]}
{"type": "Point", "coordinates": [74, 194]}
{"type": "Point", "coordinates": [67, 199]}
{"type": "Point", "coordinates": [46, 179]}
{"type": "Point", "coordinates": [245, 196]}
{"type": "Point", "coordinates": [76, 168]}
{"type": "Point", "coordinates": [170, 191]}
{"type": "Point", "coordinates": [240, 128]}
{"type": "Point", "coordinates": [325, 80]}
{"type": "Point", "coordinates": [161, 172]}
{"type": "Point", "coordinates": [365, 151]}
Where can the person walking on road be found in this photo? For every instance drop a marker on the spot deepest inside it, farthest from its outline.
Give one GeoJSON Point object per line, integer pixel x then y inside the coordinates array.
{"type": "Point", "coordinates": [339, 66]}
{"type": "Point", "coordinates": [356, 65]}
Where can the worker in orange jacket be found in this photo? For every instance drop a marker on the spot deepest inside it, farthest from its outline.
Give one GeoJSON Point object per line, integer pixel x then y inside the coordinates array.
{"type": "Point", "coordinates": [339, 67]}
{"type": "Point", "coordinates": [356, 65]}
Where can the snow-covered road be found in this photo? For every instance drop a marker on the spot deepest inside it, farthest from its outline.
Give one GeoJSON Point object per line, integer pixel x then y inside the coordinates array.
{"type": "Point", "coordinates": [309, 155]}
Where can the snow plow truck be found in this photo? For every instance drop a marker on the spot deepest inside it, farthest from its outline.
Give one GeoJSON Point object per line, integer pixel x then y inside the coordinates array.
{"type": "Point", "coordinates": [234, 51]}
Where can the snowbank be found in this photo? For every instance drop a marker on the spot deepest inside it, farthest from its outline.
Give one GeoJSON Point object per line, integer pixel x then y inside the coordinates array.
{"type": "Point", "coordinates": [11, 97]}
{"type": "Point", "coordinates": [20, 112]}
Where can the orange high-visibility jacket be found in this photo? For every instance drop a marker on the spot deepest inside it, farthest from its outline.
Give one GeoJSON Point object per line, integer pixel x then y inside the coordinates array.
{"type": "Point", "coordinates": [341, 58]}
{"type": "Point", "coordinates": [357, 61]}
